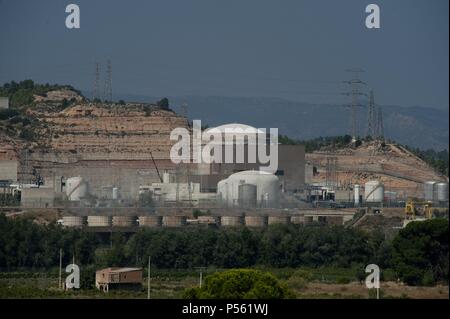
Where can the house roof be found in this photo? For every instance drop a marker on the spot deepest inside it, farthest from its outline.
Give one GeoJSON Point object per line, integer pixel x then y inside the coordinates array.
{"type": "Point", "coordinates": [119, 270]}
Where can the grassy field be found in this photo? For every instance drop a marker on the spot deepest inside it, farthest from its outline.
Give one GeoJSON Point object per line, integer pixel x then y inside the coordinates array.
{"type": "Point", "coordinates": [328, 283]}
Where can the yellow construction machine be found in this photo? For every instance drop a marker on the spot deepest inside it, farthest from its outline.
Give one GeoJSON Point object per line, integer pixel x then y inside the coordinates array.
{"type": "Point", "coordinates": [417, 210]}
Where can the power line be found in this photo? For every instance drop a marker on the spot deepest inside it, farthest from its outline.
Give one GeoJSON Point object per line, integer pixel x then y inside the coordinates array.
{"type": "Point", "coordinates": [355, 84]}
{"type": "Point", "coordinates": [371, 117]}
{"type": "Point", "coordinates": [108, 82]}
{"type": "Point", "coordinates": [96, 90]}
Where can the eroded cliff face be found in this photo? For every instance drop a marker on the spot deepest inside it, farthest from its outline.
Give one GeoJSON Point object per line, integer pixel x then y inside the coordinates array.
{"type": "Point", "coordinates": [109, 132]}
{"type": "Point", "coordinates": [108, 144]}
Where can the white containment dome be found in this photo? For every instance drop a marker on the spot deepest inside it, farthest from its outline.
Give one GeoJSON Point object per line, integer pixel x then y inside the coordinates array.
{"type": "Point", "coordinates": [374, 191]}
{"type": "Point", "coordinates": [76, 188]}
{"type": "Point", "coordinates": [267, 189]}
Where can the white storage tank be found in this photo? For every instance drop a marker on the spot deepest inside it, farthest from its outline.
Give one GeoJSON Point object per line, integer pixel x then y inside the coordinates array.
{"type": "Point", "coordinates": [441, 192]}
{"type": "Point", "coordinates": [76, 188]}
{"type": "Point", "coordinates": [428, 190]}
{"type": "Point", "coordinates": [374, 191]}
{"type": "Point", "coordinates": [267, 188]}
{"type": "Point", "coordinates": [356, 195]}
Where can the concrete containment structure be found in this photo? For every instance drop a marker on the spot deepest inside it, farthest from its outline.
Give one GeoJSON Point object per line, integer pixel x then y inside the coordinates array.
{"type": "Point", "coordinates": [267, 188]}
{"type": "Point", "coordinates": [247, 195]}
{"type": "Point", "coordinates": [256, 221]}
{"type": "Point", "coordinates": [246, 141]}
{"type": "Point", "coordinates": [174, 221]}
{"type": "Point", "coordinates": [74, 221]}
{"type": "Point", "coordinates": [279, 220]}
{"type": "Point", "coordinates": [99, 221]}
{"type": "Point", "coordinates": [150, 221]}
{"type": "Point", "coordinates": [232, 221]}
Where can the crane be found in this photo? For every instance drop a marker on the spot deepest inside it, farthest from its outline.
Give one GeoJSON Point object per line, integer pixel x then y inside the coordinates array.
{"type": "Point", "coordinates": [157, 170]}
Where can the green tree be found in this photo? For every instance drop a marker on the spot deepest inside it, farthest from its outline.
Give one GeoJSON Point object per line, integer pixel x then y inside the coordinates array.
{"type": "Point", "coordinates": [163, 103]}
{"type": "Point", "coordinates": [421, 252]}
{"type": "Point", "coordinates": [240, 284]}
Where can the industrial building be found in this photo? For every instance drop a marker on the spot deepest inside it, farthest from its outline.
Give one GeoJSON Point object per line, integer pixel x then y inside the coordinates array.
{"type": "Point", "coordinates": [291, 161]}
{"type": "Point", "coordinates": [118, 278]}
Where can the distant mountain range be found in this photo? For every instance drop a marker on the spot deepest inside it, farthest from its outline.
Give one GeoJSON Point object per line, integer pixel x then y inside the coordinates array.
{"type": "Point", "coordinates": [422, 127]}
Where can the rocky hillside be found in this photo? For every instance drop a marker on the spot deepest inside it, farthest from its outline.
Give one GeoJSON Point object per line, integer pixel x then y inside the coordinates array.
{"type": "Point", "coordinates": [398, 169]}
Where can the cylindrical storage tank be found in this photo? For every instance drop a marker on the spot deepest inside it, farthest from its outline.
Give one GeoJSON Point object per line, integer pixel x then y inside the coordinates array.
{"type": "Point", "coordinates": [428, 190]}
{"type": "Point", "coordinates": [232, 220]}
{"type": "Point", "coordinates": [256, 221]}
{"type": "Point", "coordinates": [374, 192]}
{"type": "Point", "coordinates": [247, 195]}
{"type": "Point", "coordinates": [356, 195]}
{"type": "Point", "coordinates": [441, 192]}
{"type": "Point", "coordinates": [279, 220]}
{"type": "Point", "coordinates": [73, 221]}
{"type": "Point", "coordinates": [150, 221]}
{"type": "Point", "coordinates": [174, 221]}
{"type": "Point", "coordinates": [76, 188]}
{"type": "Point", "coordinates": [297, 219]}
{"type": "Point", "coordinates": [99, 221]}
{"type": "Point", "coordinates": [124, 221]}
{"type": "Point", "coordinates": [115, 193]}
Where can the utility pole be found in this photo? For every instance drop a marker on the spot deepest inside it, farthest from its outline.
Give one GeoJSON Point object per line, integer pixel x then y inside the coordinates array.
{"type": "Point", "coordinates": [355, 84]}
{"type": "Point", "coordinates": [200, 281]}
{"type": "Point", "coordinates": [148, 278]}
{"type": "Point", "coordinates": [60, 269]}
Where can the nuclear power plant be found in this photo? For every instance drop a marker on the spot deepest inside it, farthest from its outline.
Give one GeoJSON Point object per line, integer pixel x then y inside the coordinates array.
{"type": "Point", "coordinates": [114, 181]}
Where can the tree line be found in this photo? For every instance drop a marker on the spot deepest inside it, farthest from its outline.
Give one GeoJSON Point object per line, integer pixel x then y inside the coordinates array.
{"type": "Point", "coordinates": [419, 253]}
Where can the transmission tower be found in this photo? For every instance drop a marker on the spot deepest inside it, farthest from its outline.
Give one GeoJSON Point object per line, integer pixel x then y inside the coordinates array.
{"type": "Point", "coordinates": [380, 126]}
{"type": "Point", "coordinates": [108, 82]}
{"type": "Point", "coordinates": [371, 117]}
{"type": "Point", "coordinates": [355, 87]}
{"type": "Point", "coordinates": [96, 90]}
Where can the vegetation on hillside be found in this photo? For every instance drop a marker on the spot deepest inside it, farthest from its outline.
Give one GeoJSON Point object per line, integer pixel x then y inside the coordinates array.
{"type": "Point", "coordinates": [436, 159]}
{"type": "Point", "coordinates": [24, 244]}
{"type": "Point", "coordinates": [21, 94]}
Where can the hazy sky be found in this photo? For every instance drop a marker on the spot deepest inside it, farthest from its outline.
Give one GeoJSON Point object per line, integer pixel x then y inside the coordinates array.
{"type": "Point", "coordinates": [292, 49]}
